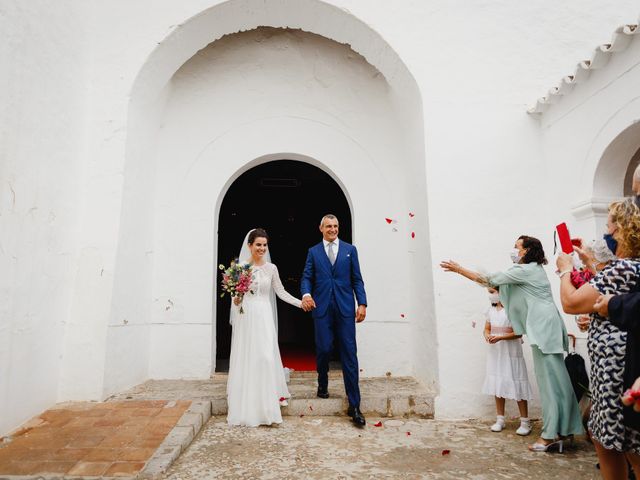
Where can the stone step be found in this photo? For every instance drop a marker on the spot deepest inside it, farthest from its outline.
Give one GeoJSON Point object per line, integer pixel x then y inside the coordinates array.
{"type": "Point", "coordinates": [381, 396]}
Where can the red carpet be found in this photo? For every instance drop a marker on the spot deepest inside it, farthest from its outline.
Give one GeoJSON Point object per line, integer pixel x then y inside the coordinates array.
{"type": "Point", "coordinates": [299, 359]}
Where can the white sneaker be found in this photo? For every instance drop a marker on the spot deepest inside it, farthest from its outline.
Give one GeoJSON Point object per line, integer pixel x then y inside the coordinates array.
{"type": "Point", "coordinates": [498, 426]}
{"type": "Point", "coordinates": [524, 429]}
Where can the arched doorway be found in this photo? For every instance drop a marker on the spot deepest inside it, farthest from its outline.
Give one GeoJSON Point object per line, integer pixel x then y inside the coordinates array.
{"type": "Point", "coordinates": [287, 198]}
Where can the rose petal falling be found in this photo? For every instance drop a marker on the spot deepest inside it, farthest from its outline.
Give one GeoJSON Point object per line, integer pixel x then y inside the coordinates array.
{"type": "Point", "coordinates": [379, 424]}
{"type": "Point", "coordinates": [446, 452]}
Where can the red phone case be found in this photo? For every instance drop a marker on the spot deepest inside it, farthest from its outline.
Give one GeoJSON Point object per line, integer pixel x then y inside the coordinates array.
{"type": "Point", "coordinates": [564, 237]}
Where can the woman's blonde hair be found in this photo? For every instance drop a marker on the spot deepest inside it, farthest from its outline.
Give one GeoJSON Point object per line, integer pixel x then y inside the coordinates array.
{"type": "Point", "coordinates": [625, 215]}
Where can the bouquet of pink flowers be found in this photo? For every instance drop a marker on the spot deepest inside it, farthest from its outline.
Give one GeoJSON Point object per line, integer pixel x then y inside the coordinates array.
{"type": "Point", "coordinates": [236, 280]}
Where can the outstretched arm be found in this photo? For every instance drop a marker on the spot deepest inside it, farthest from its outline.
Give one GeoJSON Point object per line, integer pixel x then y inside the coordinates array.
{"type": "Point", "coordinates": [281, 292]}
{"type": "Point", "coordinates": [451, 266]}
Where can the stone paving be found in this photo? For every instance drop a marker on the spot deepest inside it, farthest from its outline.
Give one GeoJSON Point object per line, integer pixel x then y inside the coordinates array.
{"type": "Point", "coordinates": [386, 396]}
{"type": "Point", "coordinates": [331, 448]}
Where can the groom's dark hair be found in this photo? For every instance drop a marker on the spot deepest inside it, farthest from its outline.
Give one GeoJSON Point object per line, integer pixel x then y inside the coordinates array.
{"type": "Point", "coordinates": [257, 233]}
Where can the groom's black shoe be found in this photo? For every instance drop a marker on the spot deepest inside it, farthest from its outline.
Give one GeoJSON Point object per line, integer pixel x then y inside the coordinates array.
{"type": "Point", "coordinates": [357, 416]}
{"type": "Point", "coordinates": [323, 393]}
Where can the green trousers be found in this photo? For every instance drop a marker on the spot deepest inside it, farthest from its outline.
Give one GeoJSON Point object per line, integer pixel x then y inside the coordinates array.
{"type": "Point", "coordinates": [560, 411]}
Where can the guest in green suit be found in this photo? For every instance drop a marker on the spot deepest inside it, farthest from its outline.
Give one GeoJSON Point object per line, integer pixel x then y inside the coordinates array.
{"type": "Point", "coordinates": [525, 293]}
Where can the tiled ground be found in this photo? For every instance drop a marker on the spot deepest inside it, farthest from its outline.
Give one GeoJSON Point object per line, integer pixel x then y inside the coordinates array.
{"type": "Point", "coordinates": [91, 439]}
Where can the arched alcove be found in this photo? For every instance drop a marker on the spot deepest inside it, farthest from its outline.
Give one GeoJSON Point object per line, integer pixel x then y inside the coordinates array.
{"type": "Point", "coordinates": [605, 173]}
{"type": "Point", "coordinates": [197, 114]}
{"type": "Point", "coordinates": [287, 199]}
{"type": "Point", "coordinates": [628, 177]}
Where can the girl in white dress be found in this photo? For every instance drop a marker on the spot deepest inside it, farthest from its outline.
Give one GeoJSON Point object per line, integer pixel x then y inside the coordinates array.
{"type": "Point", "coordinates": [256, 387]}
{"type": "Point", "coordinates": [506, 370]}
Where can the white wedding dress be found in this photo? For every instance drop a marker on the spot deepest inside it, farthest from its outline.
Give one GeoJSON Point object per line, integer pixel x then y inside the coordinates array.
{"type": "Point", "coordinates": [256, 381]}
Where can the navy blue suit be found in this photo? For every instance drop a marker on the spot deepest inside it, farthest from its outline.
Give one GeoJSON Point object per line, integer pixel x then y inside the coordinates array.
{"type": "Point", "coordinates": [333, 289]}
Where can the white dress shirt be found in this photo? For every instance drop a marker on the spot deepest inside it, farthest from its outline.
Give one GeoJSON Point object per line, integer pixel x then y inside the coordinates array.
{"type": "Point", "coordinates": [336, 246]}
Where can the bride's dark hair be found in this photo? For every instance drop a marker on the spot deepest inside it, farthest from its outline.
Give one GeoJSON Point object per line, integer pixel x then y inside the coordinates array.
{"type": "Point", "coordinates": [257, 233]}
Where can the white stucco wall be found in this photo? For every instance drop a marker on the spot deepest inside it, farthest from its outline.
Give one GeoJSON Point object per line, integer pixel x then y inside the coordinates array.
{"type": "Point", "coordinates": [491, 171]}
{"type": "Point", "coordinates": [42, 92]}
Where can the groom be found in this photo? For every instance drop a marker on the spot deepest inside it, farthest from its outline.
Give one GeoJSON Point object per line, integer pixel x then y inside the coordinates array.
{"type": "Point", "coordinates": [330, 280]}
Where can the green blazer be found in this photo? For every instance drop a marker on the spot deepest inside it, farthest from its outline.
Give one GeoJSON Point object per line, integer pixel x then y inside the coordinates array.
{"type": "Point", "coordinates": [525, 293]}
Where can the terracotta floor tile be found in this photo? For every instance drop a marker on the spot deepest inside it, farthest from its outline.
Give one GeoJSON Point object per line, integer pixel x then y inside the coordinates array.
{"type": "Point", "coordinates": [50, 442]}
{"type": "Point", "coordinates": [89, 468]}
{"type": "Point", "coordinates": [171, 413]}
{"type": "Point", "coordinates": [147, 442]}
{"type": "Point", "coordinates": [117, 441]}
{"type": "Point", "coordinates": [17, 467]}
{"type": "Point", "coordinates": [71, 454]}
{"type": "Point", "coordinates": [142, 404]}
{"type": "Point", "coordinates": [109, 422]}
{"type": "Point", "coordinates": [95, 412]}
{"type": "Point", "coordinates": [98, 431]}
{"type": "Point", "coordinates": [138, 421]}
{"type": "Point", "coordinates": [40, 455]}
{"type": "Point", "coordinates": [55, 467]}
{"type": "Point", "coordinates": [89, 441]}
{"type": "Point", "coordinates": [81, 422]}
{"type": "Point", "coordinates": [124, 469]}
{"type": "Point", "coordinates": [102, 454]}
{"type": "Point", "coordinates": [158, 430]}
{"type": "Point", "coordinates": [136, 454]}
{"type": "Point", "coordinates": [164, 421]}
{"type": "Point", "coordinates": [145, 412]}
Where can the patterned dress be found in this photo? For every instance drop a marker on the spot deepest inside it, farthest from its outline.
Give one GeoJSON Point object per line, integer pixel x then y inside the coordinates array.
{"type": "Point", "coordinates": [607, 347]}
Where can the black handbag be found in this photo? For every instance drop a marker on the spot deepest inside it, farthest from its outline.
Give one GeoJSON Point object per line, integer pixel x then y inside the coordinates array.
{"type": "Point", "coordinates": [577, 371]}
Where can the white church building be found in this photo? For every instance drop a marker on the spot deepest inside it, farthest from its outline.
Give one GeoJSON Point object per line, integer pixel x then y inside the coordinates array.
{"type": "Point", "coordinates": [141, 139]}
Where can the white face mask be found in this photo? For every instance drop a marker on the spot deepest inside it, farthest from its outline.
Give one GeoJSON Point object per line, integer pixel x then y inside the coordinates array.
{"type": "Point", "coordinates": [494, 298]}
{"type": "Point", "coordinates": [515, 255]}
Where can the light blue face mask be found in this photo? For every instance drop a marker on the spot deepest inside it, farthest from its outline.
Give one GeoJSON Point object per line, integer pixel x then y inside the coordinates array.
{"type": "Point", "coordinates": [515, 255]}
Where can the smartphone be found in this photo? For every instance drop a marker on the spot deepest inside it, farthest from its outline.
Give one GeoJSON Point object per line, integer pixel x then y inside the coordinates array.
{"type": "Point", "coordinates": [565, 239]}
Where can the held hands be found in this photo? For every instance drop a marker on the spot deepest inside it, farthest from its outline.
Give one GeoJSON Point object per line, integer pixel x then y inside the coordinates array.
{"type": "Point", "coordinates": [307, 303]}
{"type": "Point", "coordinates": [494, 338]}
{"type": "Point", "coordinates": [237, 301]}
{"type": "Point", "coordinates": [602, 305]}
{"type": "Point", "coordinates": [361, 313]}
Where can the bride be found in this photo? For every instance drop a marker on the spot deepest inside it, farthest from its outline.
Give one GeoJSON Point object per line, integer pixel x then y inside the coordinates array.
{"type": "Point", "coordinates": [256, 386]}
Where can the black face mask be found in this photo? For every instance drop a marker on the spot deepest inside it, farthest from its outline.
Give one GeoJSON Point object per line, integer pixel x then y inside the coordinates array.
{"type": "Point", "coordinates": [612, 243]}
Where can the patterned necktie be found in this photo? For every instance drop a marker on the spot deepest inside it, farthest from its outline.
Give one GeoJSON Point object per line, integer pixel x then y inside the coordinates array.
{"type": "Point", "coordinates": [330, 254]}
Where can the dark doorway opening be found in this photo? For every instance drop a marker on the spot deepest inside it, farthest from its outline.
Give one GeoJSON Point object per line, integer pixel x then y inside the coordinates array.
{"type": "Point", "coordinates": [287, 198]}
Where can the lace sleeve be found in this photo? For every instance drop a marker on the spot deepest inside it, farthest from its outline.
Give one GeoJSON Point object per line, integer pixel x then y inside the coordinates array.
{"type": "Point", "coordinates": [277, 286]}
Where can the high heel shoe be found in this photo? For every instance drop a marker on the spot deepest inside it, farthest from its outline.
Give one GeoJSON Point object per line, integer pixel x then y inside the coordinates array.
{"type": "Point", "coordinates": [567, 439]}
{"type": "Point", "coordinates": [547, 447]}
